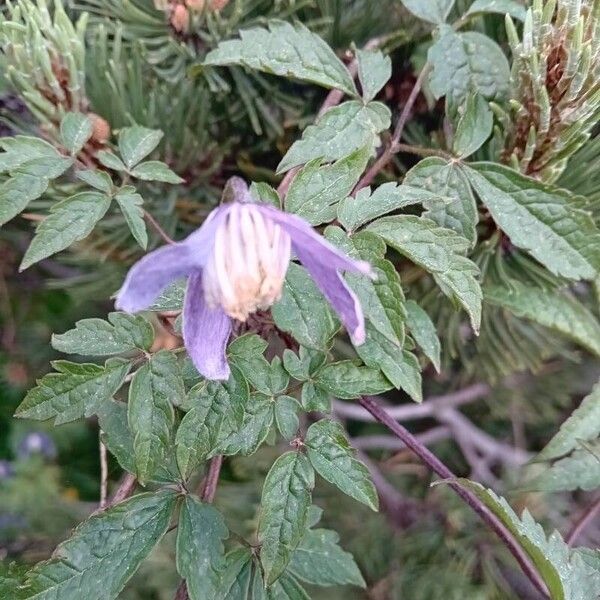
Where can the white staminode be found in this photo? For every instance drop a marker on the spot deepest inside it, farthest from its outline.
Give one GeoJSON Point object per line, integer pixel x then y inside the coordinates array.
{"type": "Point", "coordinates": [248, 263]}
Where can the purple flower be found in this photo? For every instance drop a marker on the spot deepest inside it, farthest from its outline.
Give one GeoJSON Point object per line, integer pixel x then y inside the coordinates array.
{"type": "Point", "coordinates": [36, 442]}
{"type": "Point", "coordinates": [236, 264]}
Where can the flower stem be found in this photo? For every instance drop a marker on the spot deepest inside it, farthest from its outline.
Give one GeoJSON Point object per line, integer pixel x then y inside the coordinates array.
{"type": "Point", "coordinates": [157, 227]}
{"type": "Point", "coordinates": [440, 469]}
{"type": "Point", "coordinates": [588, 514]}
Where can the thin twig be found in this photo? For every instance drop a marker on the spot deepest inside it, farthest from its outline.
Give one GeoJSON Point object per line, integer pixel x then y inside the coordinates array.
{"type": "Point", "coordinates": [103, 471]}
{"type": "Point", "coordinates": [388, 442]}
{"type": "Point", "coordinates": [157, 227]}
{"type": "Point", "coordinates": [586, 517]}
{"type": "Point", "coordinates": [394, 145]}
{"type": "Point", "coordinates": [438, 467]}
{"type": "Point", "coordinates": [125, 489]}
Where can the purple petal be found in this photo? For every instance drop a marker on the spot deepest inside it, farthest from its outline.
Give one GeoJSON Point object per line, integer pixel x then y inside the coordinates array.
{"type": "Point", "coordinates": [306, 240]}
{"type": "Point", "coordinates": [338, 293]}
{"type": "Point", "coordinates": [155, 271]}
{"type": "Point", "coordinates": [206, 332]}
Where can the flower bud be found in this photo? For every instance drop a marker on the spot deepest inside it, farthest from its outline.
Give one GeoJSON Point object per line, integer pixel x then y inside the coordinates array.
{"type": "Point", "coordinates": [180, 18]}
{"type": "Point", "coordinates": [100, 128]}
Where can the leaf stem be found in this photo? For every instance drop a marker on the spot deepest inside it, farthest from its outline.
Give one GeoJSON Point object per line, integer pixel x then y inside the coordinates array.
{"type": "Point", "coordinates": [440, 469]}
{"type": "Point", "coordinates": [161, 232]}
{"type": "Point", "coordinates": [588, 514]}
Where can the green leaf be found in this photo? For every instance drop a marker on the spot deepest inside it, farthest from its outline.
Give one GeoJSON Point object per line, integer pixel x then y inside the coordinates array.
{"type": "Point", "coordinates": [287, 588]}
{"type": "Point", "coordinates": [70, 220]}
{"type": "Point", "coordinates": [247, 354]}
{"type": "Point", "coordinates": [155, 170]}
{"type": "Point", "coordinates": [583, 424]}
{"type": "Point", "coordinates": [21, 149]}
{"type": "Point", "coordinates": [374, 71]}
{"type": "Point", "coordinates": [551, 308]}
{"type": "Point", "coordinates": [155, 388]}
{"type": "Point", "coordinates": [216, 411]}
{"type": "Point", "coordinates": [286, 498]}
{"type": "Point", "coordinates": [454, 206]}
{"type": "Point", "coordinates": [17, 192]}
{"type": "Point", "coordinates": [567, 576]}
{"type": "Point", "coordinates": [474, 126]}
{"type": "Point", "coordinates": [46, 167]}
{"type": "Point", "coordinates": [433, 11]}
{"type": "Point", "coordinates": [315, 398]}
{"type": "Point", "coordinates": [398, 365]}
{"type": "Point", "coordinates": [263, 192]}
{"type": "Point", "coordinates": [75, 130]}
{"type": "Point", "coordinates": [241, 579]}
{"type": "Point", "coordinates": [97, 179]}
{"type": "Point", "coordinates": [104, 551]}
{"type": "Point", "coordinates": [579, 470]}
{"type": "Point", "coordinates": [110, 160]}
{"type": "Point", "coordinates": [423, 331]}
{"type": "Point", "coordinates": [171, 298]}
{"type": "Point", "coordinates": [116, 435]}
{"type": "Point", "coordinates": [465, 63]}
{"type": "Point", "coordinates": [438, 251]}
{"type": "Point", "coordinates": [286, 50]}
{"type": "Point", "coordinates": [332, 457]}
{"type": "Point", "coordinates": [247, 439]}
{"type": "Point", "coordinates": [340, 131]}
{"type": "Point", "coordinates": [75, 391]}
{"type": "Point", "coordinates": [503, 7]}
{"type": "Point", "coordinates": [135, 143]}
{"type": "Point", "coordinates": [200, 550]}
{"type": "Point", "coordinates": [130, 204]}
{"type": "Point", "coordinates": [302, 310]}
{"type": "Point", "coordinates": [540, 218]}
{"type": "Point", "coordinates": [303, 365]}
{"type": "Point", "coordinates": [355, 211]}
{"type": "Point", "coordinates": [96, 337]}
{"type": "Point", "coordinates": [286, 416]}
{"type": "Point", "coordinates": [319, 560]}
{"type": "Point", "coordinates": [316, 190]}
{"type": "Point", "coordinates": [346, 380]}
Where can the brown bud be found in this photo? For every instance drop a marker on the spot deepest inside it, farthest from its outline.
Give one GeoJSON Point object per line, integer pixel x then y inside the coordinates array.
{"type": "Point", "coordinates": [218, 4]}
{"type": "Point", "coordinates": [180, 18]}
{"type": "Point", "coordinates": [101, 128]}
{"type": "Point", "coordinates": [196, 5]}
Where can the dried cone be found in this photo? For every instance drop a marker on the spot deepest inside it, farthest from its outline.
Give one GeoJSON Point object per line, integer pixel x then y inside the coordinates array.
{"type": "Point", "coordinates": [101, 128]}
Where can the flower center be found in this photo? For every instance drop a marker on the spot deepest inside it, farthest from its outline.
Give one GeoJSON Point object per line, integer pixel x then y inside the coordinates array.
{"type": "Point", "coordinates": [249, 260]}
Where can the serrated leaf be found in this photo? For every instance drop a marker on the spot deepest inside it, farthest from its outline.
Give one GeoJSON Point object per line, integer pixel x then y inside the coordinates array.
{"type": "Point", "coordinates": [503, 7]}
{"type": "Point", "coordinates": [423, 332]}
{"type": "Point", "coordinates": [285, 501]}
{"type": "Point", "coordinates": [304, 364]}
{"type": "Point", "coordinates": [286, 50]}
{"type": "Point", "coordinates": [474, 126]}
{"type": "Point", "coordinates": [366, 206]}
{"type": "Point", "coordinates": [317, 189]}
{"type": "Point", "coordinates": [241, 579]}
{"type": "Point", "coordinates": [320, 560]}
{"type": "Point", "coordinates": [464, 63]}
{"type": "Point", "coordinates": [374, 71]}
{"type": "Point", "coordinates": [116, 435]}
{"type": "Point", "coordinates": [135, 143]}
{"type": "Point", "coordinates": [75, 130]}
{"type": "Point", "coordinates": [97, 179]}
{"type": "Point", "coordinates": [200, 550]}
{"type": "Point", "coordinates": [155, 388]}
{"type": "Point", "coordinates": [17, 192]}
{"type": "Point", "coordinates": [315, 398]}
{"type": "Point", "coordinates": [332, 457]}
{"type": "Point", "coordinates": [21, 149]}
{"type": "Point", "coordinates": [96, 337]}
{"type": "Point", "coordinates": [582, 424]}
{"type": "Point", "coordinates": [339, 132]}
{"type": "Point", "coordinates": [155, 170]}
{"type": "Point", "coordinates": [76, 390]}
{"type": "Point", "coordinates": [104, 551]}
{"type": "Point", "coordinates": [346, 380]}
{"type": "Point", "coordinates": [110, 160]}
{"type": "Point", "coordinates": [302, 310]}
{"type": "Point", "coordinates": [286, 416]}
{"type": "Point", "coordinates": [247, 354]}
{"type": "Point", "coordinates": [579, 470]}
{"type": "Point", "coordinates": [400, 366]}
{"type": "Point", "coordinates": [171, 298]}
{"type": "Point", "coordinates": [263, 192]}
{"type": "Point", "coordinates": [438, 251]}
{"type": "Point", "coordinates": [131, 204]}
{"type": "Point", "coordinates": [540, 218]}
{"type": "Point", "coordinates": [554, 309]}
{"type": "Point", "coordinates": [433, 11]}
{"type": "Point", "coordinates": [69, 221]}
{"type": "Point", "coordinates": [454, 206]}
{"type": "Point", "coordinates": [216, 411]}
{"type": "Point", "coordinates": [567, 576]}
{"type": "Point", "coordinates": [287, 588]}
{"type": "Point", "coordinates": [45, 167]}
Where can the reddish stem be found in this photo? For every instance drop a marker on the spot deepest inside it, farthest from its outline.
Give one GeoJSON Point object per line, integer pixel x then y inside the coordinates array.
{"type": "Point", "coordinates": [586, 517]}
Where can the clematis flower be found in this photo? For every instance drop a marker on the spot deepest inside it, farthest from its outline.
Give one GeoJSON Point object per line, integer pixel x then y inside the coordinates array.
{"type": "Point", "coordinates": [236, 264]}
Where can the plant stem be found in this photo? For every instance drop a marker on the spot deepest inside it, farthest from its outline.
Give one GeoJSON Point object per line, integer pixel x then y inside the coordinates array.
{"type": "Point", "coordinates": [103, 471]}
{"type": "Point", "coordinates": [157, 227]}
{"type": "Point", "coordinates": [125, 489]}
{"type": "Point", "coordinates": [588, 514]}
{"type": "Point", "coordinates": [440, 469]}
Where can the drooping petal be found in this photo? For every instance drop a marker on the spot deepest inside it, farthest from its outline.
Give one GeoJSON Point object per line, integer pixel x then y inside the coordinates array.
{"type": "Point", "coordinates": [155, 271]}
{"type": "Point", "coordinates": [206, 332]}
{"type": "Point", "coordinates": [338, 293]}
{"type": "Point", "coordinates": [306, 240]}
